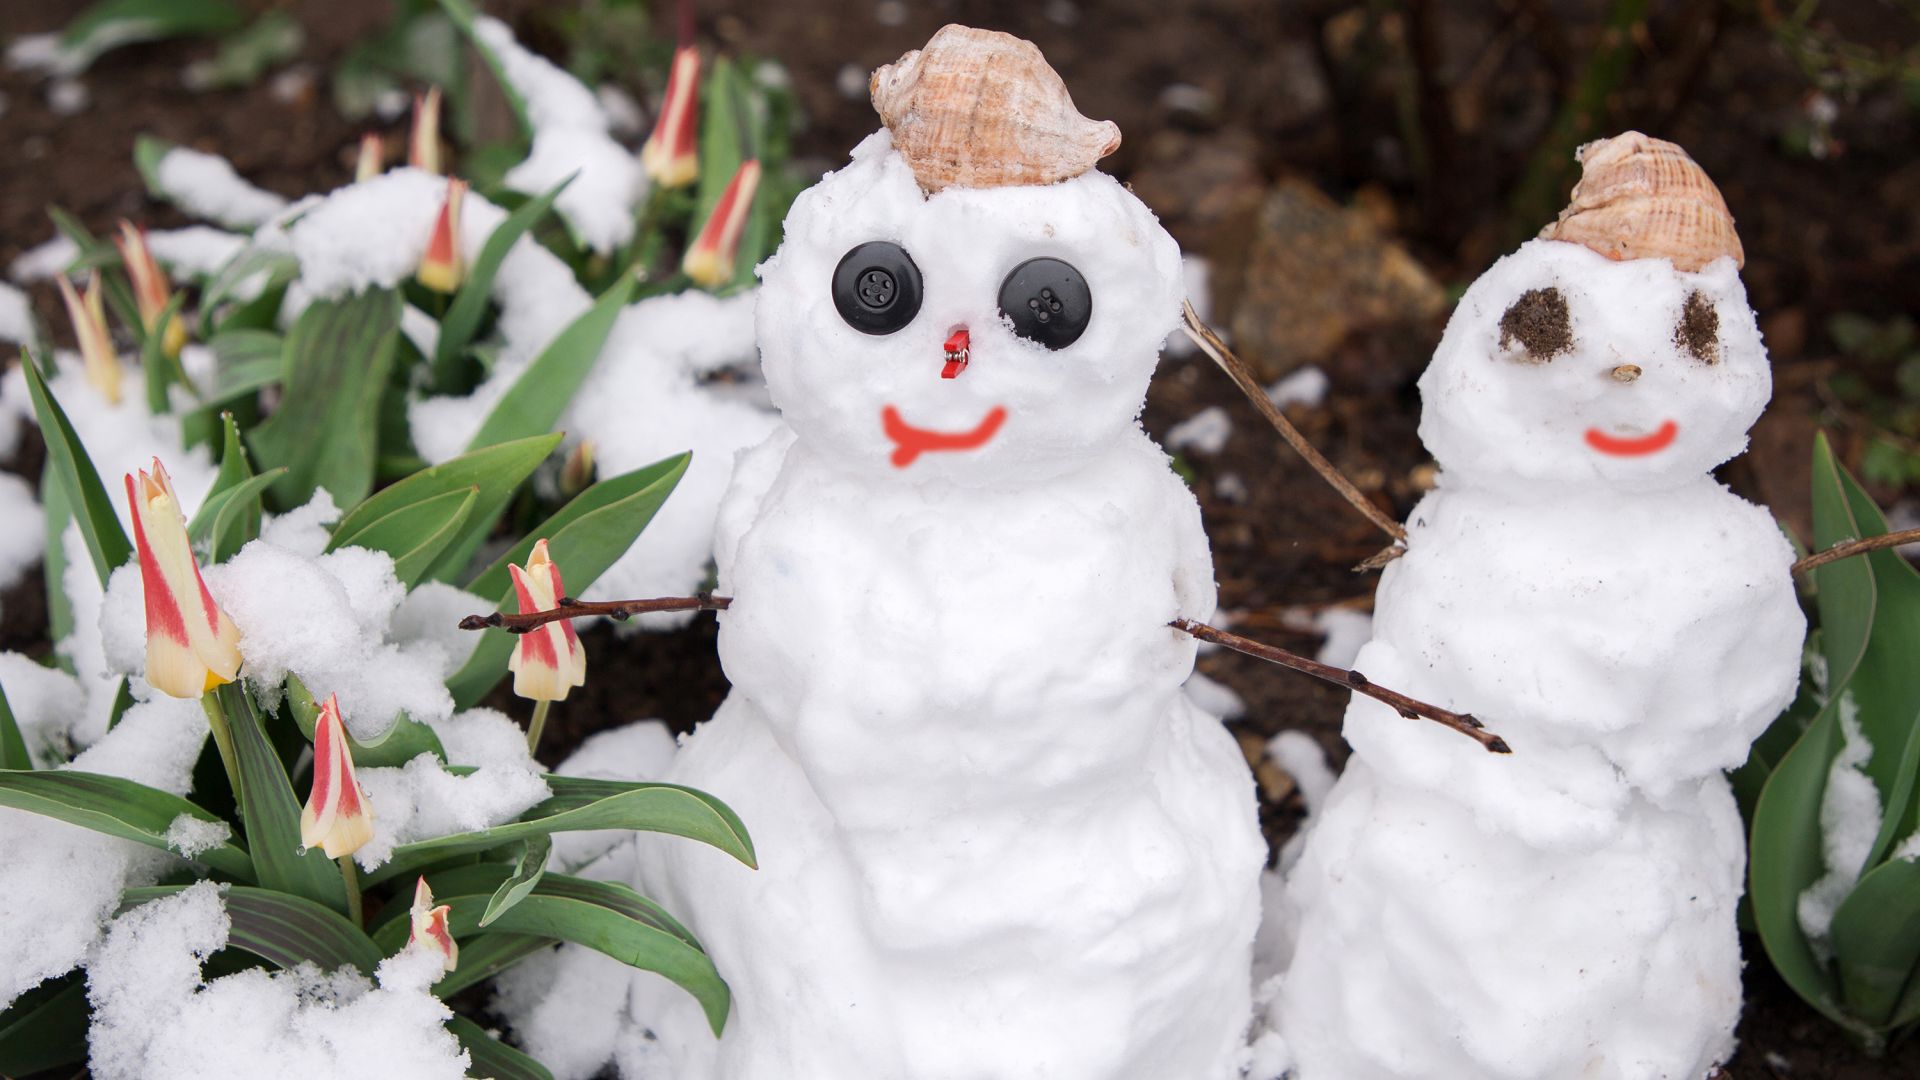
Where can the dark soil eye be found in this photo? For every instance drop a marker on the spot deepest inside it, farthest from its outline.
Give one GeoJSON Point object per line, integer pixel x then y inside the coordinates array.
{"type": "Point", "coordinates": [1699, 329]}
{"type": "Point", "coordinates": [1538, 321]}
{"type": "Point", "coordinates": [1048, 302]}
{"type": "Point", "coordinates": [876, 287]}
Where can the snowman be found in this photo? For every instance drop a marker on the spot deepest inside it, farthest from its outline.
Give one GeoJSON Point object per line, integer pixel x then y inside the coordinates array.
{"type": "Point", "coordinates": [997, 840]}
{"type": "Point", "coordinates": [1629, 626]}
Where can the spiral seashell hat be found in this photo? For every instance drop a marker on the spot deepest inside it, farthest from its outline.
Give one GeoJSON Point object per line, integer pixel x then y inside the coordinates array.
{"type": "Point", "coordinates": [979, 108]}
{"type": "Point", "coordinates": [1644, 198]}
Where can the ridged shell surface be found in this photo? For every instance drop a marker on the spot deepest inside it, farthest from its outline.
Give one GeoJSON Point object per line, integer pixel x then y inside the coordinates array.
{"type": "Point", "coordinates": [1645, 198]}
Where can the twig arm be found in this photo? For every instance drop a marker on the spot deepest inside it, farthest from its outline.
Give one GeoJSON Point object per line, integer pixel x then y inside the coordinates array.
{"type": "Point", "coordinates": [569, 608]}
{"type": "Point", "coordinates": [1856, 547]}
{"type": "Point", "coordinates": [1464, 723]}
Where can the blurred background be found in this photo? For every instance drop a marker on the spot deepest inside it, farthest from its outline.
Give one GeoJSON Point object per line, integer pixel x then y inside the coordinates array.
{"type": "Point", "coordinates": [1341, 171]}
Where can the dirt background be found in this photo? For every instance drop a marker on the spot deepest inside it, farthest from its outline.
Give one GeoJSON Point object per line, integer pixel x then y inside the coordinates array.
{"type": "Point", "coordinates": [1397, 147]}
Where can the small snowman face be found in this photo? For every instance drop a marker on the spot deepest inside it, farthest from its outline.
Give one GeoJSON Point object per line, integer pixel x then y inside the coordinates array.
{"type": "Point", "coordinates": [977, 334]}
{"type": "Point", "coordinates": [1563, 366]}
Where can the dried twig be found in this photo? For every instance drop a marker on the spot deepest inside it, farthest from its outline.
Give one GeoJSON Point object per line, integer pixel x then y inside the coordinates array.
{"type": "Point", "coordinates": [1856, 547]}
{"type": "Point", "coordinates": [1464, 723]}
{"type": "Point", "coordinates": [1236, 370]}
{"type": "Point", "coordinates": [569, 608]}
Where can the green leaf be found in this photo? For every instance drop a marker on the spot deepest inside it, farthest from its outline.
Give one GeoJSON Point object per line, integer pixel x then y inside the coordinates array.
{"type": "Point", "coordinates": [469, 306]}
{"type": "Point", "coordinates": [283, 929]}
{"type": "Point", "coordinates": [491, 1057]}
{"type": "Point", "coordinates": [53, 562]}
{"type": "Point", "coordinates": [487, 955]}
{"type": "Point", "coordinates": [646, 807]}
{"type": "Point", "coordinates": [46, 1027]}
{"type": "Point", "coordinates": [336, 365]}
{"type": "Point", "coordinates": [537, 398]}
{"type": "Point", "coordinates": [610, 918]}
{"type": "Point", "coordinates": [161, 370]}
{"type": "Point", "coordinates": [273, 268]}
{"type": "Point", "coordinates": [462, 14]}
{"type": "Point", "coordinates": [585, 537]}
{"type": "Point", "coordinates": [272, 814]}
{"type": "Point", "coordinates": [110, 24]}
{"type": "Point", "coordinates": [98, 254]}
{"type": "Point", "coordinates": [13, 745]}
{"type": "Point", "coordinates": [415, 535]}
{"type": "Point", "coordinates": [272, 39]}
{"type": "Point", "coordinates": [99, 526]}
{"type": "Point", "coordinates": [230, 515]}
{"type": "Point", "coordinates": [1786, 858]}
{"type": "Point", "coordinates": [498, 471]}
{"type": "Point", "coordinates": [116, 807]}
{"type": "Point", "coordinates": [405, 740]}
{"type": "Point", "coordinates": [148, 152]}
{"type": "Point", "coordinates": [1876, 940]}
{"type": "Point", "coordinates": [529, 866]}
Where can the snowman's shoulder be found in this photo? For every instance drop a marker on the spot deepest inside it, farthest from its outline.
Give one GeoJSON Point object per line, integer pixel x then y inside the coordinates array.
{"type": "Point", "coordinates": [755, 470]}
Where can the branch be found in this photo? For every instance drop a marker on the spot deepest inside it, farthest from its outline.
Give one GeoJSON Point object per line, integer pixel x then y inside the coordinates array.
{"type": "Point", "coordinates": [1236, 370]}
{"type": "Point", "coordinates": [570, 608]}
{"type": "Point", "coordinates": [1856, 547]}
{"type": "Point", "coordinates": [1464, 723]}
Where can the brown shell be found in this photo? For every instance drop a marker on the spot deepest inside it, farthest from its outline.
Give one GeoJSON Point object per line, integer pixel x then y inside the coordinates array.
{"type": "Point", "coordinates": [1644, 198]}
{"type": "Point", "coordinates": [979, 108]}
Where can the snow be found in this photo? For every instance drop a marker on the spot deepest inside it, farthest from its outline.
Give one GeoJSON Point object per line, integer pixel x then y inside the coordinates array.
{"type": "Point", "coordinates": [948, 804]}
{"type": "Point", "coordinates": [206, 186]}
{"type": "Point", "coordinates": [17, 326]}
{"type": "Point", "coordinates": [63, 882]}
{"type": "Point", "coordinates": [24, 531]}
{"type": "Point", "coordinates": [1344, 632]}
{"type": "Point", "coordinates": [189, 835]}
{"type": "Point", "coordinates": [156, 1016]}
{"type": "Point", "coordinates": [1850, 820]}
{"type": "Point", "coordinates": [68, 97]}
{"type": "Point", "coordinates": [1196, 274]}
{"type": "Point", "coordinates": [195, 251]}
{"type": "Point", "coordinates": [570, 135]}
{"type": "Point", "coordinates": [48, 705]}
{"type": "Point", "coordinates": [1305, 761]}
{"type": "Point", "coordinates": [1307, 386]}
{"type": "Point", "coordinates": [44, 260]}
{"type": "Point", "coordinates": [1205, 432]}
{"type": "Point", "coordinates": [1629, 626]}
{"type": "Point", "coordinates": [1215, 698]}
{"type": "Point", "coordinates": [638, 751]}
{"type": "Point", "coordinates": [422, 800]}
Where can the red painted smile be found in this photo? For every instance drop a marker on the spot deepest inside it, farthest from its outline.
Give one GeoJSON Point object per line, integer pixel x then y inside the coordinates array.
{"type": "Point", "coordinates": [910, 442]}
{"type": "Point", "coordinates": [1622, 446]}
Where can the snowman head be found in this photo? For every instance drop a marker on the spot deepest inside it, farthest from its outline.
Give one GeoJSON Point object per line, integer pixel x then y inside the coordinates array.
{"type": "Point", "coordinates": [1617, 349]}
{"type": "Point", "coordinates": [968, 300]}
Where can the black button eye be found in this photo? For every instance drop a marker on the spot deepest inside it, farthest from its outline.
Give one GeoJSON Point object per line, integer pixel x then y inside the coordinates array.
{"type": "Point", "coordinates": [1048, 302]}
{"type": "Point", "coordinates": [876, 287]}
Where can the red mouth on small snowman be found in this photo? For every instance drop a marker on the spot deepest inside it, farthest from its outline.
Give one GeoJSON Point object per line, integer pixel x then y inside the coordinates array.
{"type": "Point", "coordinates": [909, 442]}
{"type": "Point", "coordinates": [1633, 445]}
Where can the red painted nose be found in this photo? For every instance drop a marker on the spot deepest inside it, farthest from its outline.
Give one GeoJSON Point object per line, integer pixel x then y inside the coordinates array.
{"type": "Point", "coordinates": [956, 354]}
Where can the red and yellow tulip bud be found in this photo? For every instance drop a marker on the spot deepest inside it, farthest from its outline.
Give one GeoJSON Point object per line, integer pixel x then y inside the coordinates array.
{"type": "Point", "coordinates": [337, 818]}
{"type": "Point", "coordinates": [192, 646]}
{"type": "Point", "coordinates": [576, 472]}
{"type": "Point", "coordinates": [372, 160]}
{"type": "Point", "coordinates": [430, 930]}
{"type": "Point", "coordinates": [669, 156]}
{"type": "Point", "coordinates": [442, 269]}
{"type": "Point", "coordinates": [709, 261]}
{"type": "Point", "coordinates": [151, 289]}
{"type": "Point", "coordinates": [423, 143]}
{"type": "Point", "coordinates": [548, 661]}
{"type": "Point", "coordinates": [89, 317]}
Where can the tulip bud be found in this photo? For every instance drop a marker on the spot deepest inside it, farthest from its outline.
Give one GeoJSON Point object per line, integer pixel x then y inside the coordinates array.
{"type": "Point", "coordinates": [372, 160]}
{"type": "Point", "coordinates": [430, 930]}
{"type": "Point", "coordinates": [442, 269]}
{"type": "Point", "coordinates": [709, 261]}
{"type": "Point", "coordinates": [547, 661]}
{"type": "Point", "coordinates": [423, 143]}
{"type": "Point", "coordinates": [669, 155]}
{"type": "Point", "coordinates": [576, 473]}
{"type": "Point", "coordinates": [192, 646]}
{"type": "Point", "coordinates": [337, 818]}
{"type": "Point", "coordinates": [151, 290]}
{"type": "Point", "coordinates": [89, 317]}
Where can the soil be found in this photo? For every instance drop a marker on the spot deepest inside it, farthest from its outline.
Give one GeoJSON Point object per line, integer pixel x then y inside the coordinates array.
{"type": "Point", "coordinates": [1426, 116]}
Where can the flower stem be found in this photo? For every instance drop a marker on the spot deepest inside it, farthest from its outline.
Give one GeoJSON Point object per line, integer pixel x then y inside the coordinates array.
{"type": "Point", "coordinates": [222, 738]}
{"type": "Point", "coordinates": [351, 878]}
{"type": "Point", "coordinates": [539, 723]}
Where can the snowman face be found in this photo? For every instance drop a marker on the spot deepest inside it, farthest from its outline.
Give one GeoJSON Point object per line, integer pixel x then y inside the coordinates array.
{"type": "Point", "coordinates": [1561, 365]}
{"type": "Point", "coordinates": [979, 335]}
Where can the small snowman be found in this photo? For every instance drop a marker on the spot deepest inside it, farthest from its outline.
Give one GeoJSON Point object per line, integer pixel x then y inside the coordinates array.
{"type": "Point", "coordinates": [997, 839]}
{"type": "Point", "coordinates": [1581, 581]}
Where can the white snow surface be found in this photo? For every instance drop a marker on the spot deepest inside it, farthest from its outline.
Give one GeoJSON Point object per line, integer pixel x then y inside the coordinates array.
{"type": "Point", "coordinates": [48, 704]}
{"type": "Point", "coordinates": [1205, 432]}
{"type": "Point", "coordinates": [44, 260]}
{"type": "Point", "coordinates": [195, 251]}
{"type": "Point", "coordinates": [206, 186]}
{"type": "Point", "coordinates": [422, 800]}
{"type": "Point", "coordinates": [23, 536]}
{"type": "Point", "coordinates": [965, 822]}
{"type": "Point", "coordinates": [570, 135]}
{"type": "Point", "coordinates": [158, 1017]}
{"type": "Point", "coordinates": [1850, 820]}
{"type": "Point", "coordinates": [63, 882]}
{"type": "Point", "coordinates": [1628, 626]}
{"type": "Point", "coordinates": [1307, 386]}
{"type": "Point", "coordinates": [17, 324]}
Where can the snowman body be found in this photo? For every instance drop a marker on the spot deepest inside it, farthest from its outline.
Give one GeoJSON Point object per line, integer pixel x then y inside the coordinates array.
{"type": "Point", "coordinates": [1582, 585]}
{"type": "Point", "coordinates": [995, 838]}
